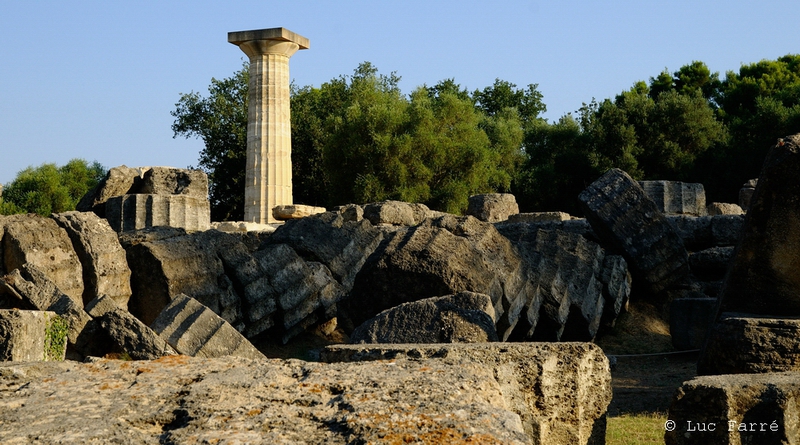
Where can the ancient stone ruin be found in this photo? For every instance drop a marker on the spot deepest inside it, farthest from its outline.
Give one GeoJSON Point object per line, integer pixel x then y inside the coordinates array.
{"type": "Point", "coordinates": [451, 298]}
{"type": "Point", "coordinates": [748, 366]}
{"type": "Point", "coordinates": [268, 175]}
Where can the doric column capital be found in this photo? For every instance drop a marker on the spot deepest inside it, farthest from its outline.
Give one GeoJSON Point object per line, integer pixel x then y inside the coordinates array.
{"type": "Point", "coordinates": [279, 41]}
{"type": "Point", "coordinates": [255, 48]}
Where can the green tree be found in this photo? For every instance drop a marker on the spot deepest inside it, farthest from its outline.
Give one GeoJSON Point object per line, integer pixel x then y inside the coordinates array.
{"type": "Point", "coordinates": [220, 120]}
{"type": "Point", "coordinates": [432, 147]}
{"type": "Point", "coordinates": [357, 138]}
{"type": "Point", "coordinates": [50, 189]}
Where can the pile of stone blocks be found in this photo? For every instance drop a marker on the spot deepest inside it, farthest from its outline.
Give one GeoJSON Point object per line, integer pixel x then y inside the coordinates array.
{"type": "Point", "coordinates": [749, 387]}
{"type": "Point", "coordinates": [137, 198]}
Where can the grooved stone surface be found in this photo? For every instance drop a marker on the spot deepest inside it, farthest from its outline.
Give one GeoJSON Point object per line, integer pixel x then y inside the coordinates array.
{"type": "Point", "coordinates": [624, 217]}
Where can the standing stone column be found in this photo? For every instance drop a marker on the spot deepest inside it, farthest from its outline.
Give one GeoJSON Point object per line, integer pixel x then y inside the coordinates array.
{"type": "Point", "coordinates": [269, 135]}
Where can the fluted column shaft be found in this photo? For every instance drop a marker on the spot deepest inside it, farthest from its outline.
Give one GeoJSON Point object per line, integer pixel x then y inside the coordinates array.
{"type": "Point", "coordinates": [268, 173]}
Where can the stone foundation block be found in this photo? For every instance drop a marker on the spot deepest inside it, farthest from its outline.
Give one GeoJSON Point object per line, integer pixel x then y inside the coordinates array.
{"type": "Point", "coordinates": [492, 207]}
{"type": "Point", "coordinates": [561, 391]}
{"type": "Point", "coordinates": [132, 212]}
{"type": "Point", "coordinates": [747, 343]}
{"type": "Point", "coordinates": [295, 211]}
{"type": "Point", "coordinates": [736, 410]}
{"type": "Point", "coordinates": [32, 336]}
{"type": "Point", "coordinates": [676, 198]}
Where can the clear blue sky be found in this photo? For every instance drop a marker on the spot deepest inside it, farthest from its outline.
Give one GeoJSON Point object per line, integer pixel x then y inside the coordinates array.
{"type": "Point", "coordinates": [98, 79]}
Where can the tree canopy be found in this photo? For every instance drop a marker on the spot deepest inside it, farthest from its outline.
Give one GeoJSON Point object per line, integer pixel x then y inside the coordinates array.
{"type": "Point", "coordinates": [49, 188]}
{"type": "Point", "coordinates": [358, 138]}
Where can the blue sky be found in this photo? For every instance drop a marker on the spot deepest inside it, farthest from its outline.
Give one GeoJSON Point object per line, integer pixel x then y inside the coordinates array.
{"type": "Point", "coordinates": [98, 79]}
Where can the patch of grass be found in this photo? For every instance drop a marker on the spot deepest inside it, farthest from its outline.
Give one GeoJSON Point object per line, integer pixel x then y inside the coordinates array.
{"type": "Point", "coordinates": [636, 429]}
{"type": "Point", "coordinates": [640, 330]}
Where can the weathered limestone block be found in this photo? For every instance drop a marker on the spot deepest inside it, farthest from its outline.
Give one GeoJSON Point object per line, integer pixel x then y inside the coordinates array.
{"type": "Point", "coordinates": [538, 217]}
{"type": "Point", "coordinates": [561, 394]}
{"type": "Point", "coordinates": [746, 193]}
{"type": "Point", "coordinates": [465, 317]}
{"type": "Point", "coordinates": [29, 336]}
{"type": "Point", "coordinates": [31, 239]}
{"type": "Point", "coordinates": [711, 263]}
{"type": "Point", "coordinates": [150, 234]}
{"type": "Point", "coordinates": [105, 268]}
{"type": "Point", "coordinates": [726, 229]}
{"type": "Point", "coordinates": [578, 226]}
{"type": "Point", "coordinates": [694, 230]}
{"type": "Point", "coordinates": [326, 238]}
{"type": "Point", "coordinates": [724, 208]}
{"type": "Point", "coordinates": [351, 212]}
{"type": "Point", "coordinates": [189, 264]}
{"type": "Point", "coordinates": [391, 212]}
{"type": "Point", "coordinates": [33, 287]}
{"type": "Point", "coordinates": [242, 226]}
{"type": "Point", "coordinates": [173, 181]}
{"type": "Point", "coordinates": [441, 257]}
{"type": "Point", "coordinates": [119, 181]}
{"type": "Point", "coordinates": [261, 402]}
{"type": "Point", "coordinates": [195, 330]}
{"type": "Point", "coordinates": [295, 211]}
{"type": "Point", "coordinates": [132, 212]}
{"type": "Point", "coordinates": [689, 321]}
{"type": "Point", "coordinates": [744, 409]}
{"type": "Point", "coordinates": [624, 217]}
{"type": "Point", "coordinates": [749, 343]}
{"type": "Point", "coordinates": [492, 207]}
{"type": "Point", "coordinates": [673, 197]}
{"type": "Point", "coordinates": [125, 332]}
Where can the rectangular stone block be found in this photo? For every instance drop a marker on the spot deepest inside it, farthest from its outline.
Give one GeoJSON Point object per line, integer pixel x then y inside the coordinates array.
{"type": "Point", "coordinates": [132, 212]}
{"type": "Point", "coordinates": [32, 336]}
{"type": "Point", "coordinates": [676, 198]}
{"type": "Point", "coordinates": [735, 410]}
{"type": "Point", "coordinates": [561, 391]}
{"type": "Point", "coordinates": [625, 218]}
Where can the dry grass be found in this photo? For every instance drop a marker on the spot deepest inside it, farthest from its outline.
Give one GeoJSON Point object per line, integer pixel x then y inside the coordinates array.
{"type": "Point", "coordinates": [638, 331]}
{"type": "Point", "coordinates": [636, 429]}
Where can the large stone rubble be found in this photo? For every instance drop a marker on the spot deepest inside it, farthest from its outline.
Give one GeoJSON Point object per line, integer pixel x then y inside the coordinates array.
{"type": "Point", "coordinates": [748, 389]}
{"type": "Point", "coordinates": [382, 272]}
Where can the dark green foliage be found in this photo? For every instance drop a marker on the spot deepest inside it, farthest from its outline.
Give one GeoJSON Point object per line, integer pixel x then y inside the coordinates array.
{"type": "Point", "coordinates": [357, 138]}
{"type": "Point", "coordinates": [220, 120]}
{"type": "Point", "coordinates": [50, 189]}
